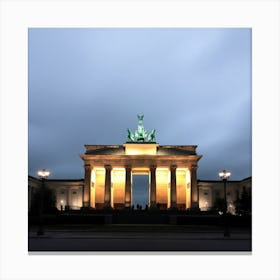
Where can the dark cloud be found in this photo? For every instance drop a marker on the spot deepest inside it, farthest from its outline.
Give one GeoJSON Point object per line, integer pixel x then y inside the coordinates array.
{"type": "Point", "coordinates": [87, 85]}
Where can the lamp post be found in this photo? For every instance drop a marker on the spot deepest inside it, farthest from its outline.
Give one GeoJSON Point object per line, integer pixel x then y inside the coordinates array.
{"type": "Point", "coordinates": [43, 174]}
{"type": "Point", "coordinates": [61, 205]}
{"type": "Point", "coordinates": [224, 175]}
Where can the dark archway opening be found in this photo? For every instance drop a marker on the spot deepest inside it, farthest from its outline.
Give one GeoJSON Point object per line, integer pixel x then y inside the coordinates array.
{"type": "Point", "coordinates": [140, 191]}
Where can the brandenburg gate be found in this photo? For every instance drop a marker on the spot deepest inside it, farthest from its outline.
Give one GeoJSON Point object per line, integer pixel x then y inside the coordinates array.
{"type": "Point", "coordinates": [171, 169]}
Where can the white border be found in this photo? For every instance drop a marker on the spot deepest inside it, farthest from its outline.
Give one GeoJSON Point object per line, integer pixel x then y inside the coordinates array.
{"type": "Point", "coordinates": [17, 16]}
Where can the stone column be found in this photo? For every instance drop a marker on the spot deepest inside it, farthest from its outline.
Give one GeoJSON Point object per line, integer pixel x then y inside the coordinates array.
{"type": "Point", "coordinates": [92, 195]}
{"type": "Point", "coordinates": [198, 187]}
{"type": "Point", "coordinates": [153, 203]}
{"type": "Point", "coordinates": [173, 187]}
{"type": "Point", "coordinates": [194, 191]}
{"type": "Point", "coordinates": [127, 201]}
{"type": "Point", "coordinates": [86, 189]}
{"type": "Point", "coordinates": [107, 197]}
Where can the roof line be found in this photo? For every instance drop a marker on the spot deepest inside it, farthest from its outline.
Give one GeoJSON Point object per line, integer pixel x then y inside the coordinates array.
{"type": "Point", "coordinates": [71, 180]}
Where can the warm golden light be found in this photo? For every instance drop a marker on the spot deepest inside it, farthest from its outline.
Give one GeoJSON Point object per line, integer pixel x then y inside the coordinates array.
{"type": "Point", "coordinates": [181, 187]}
{"type": "Point", "coordinates": [92, 189]}
{"type": "Point", "coordinates": [99, 185]}
{"type": "Point", "coordinates": [118, 186]}
{"type": "Point", "coordinates": [224, 174]}
{"type": "Point", "coordinates": [140, 149]}
{"type": "Point", "coordinates": [188, 190]}
{"type": "Point", "coordinates": [162, 178]}
{"type": "Point", "coordinates": [43, 173]}
{"type": "Point", "coordinates": [141, 171]}
{"type": "Point", "coordinates": [118, 175]}
{"type": "Point", "coordinates": [93, 176]}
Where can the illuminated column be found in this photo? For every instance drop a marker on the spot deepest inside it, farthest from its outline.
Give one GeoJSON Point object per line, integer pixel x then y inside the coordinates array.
{"type": "Point", "coordinates": [87, 183]}
{"type": "Point", "coordinates": [188, 189]}
{"type": "Point", "coordinates": [198, 198]}
{"type": "Point", "coordinates": [173, 186]}
{"type": "Point", "coordinates": [168, 195]}
{"type": "Point", "coordinates": [127, 186]}
{"type": "Point", "coordinates": [92, 190]}
{"type": "Point", "coordinates": [153, 186]}
{"type": "Point", "coordinates": [107, 198]}
{"type": "Point", "coordinates": [194, 193]}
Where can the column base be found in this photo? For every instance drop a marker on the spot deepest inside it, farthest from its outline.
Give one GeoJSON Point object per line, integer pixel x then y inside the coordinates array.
{"type": "Point", "coordinates": [153, 205]}
{"type": "Point", "coordinates": [173, 208]}
{"type": "Point", "coordinates": [153, 208]}
{"type": "Point", "coordinates": [194, 210]}
{"type": "Point", "coordinates": [107, 207]}
{"type": "Point", "coordinates": [86, 205]}
{"type": "Point", "coordinates": [194, 205]}
{"type": "Point", "coordinates": [127, 205]}
{"type": "Point", "coordinates": [86, 209]}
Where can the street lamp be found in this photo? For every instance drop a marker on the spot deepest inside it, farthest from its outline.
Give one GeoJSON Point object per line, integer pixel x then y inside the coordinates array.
{"type": "Point", "coordinates": [61, 205]}
{"type": "Point", "coordinates": [43, 174]}
{"type": "Point", "coordinates": [224, 175]}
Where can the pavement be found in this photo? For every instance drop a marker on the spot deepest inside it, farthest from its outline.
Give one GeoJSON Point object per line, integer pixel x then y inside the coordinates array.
{"type": "Point", "coordinates": [139, 238]}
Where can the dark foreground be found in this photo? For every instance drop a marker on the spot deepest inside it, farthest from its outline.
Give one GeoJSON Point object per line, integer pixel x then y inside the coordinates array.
{"type": "Point", "coordinates": [124, 238]}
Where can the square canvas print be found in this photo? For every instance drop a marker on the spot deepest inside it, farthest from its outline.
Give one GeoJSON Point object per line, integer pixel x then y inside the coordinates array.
{"type": "Point", "coordinates": [139, 139]}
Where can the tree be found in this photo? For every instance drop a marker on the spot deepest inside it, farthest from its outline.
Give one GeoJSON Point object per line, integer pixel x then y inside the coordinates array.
{"type": "Point", "coordinates": [243, 205]}
{"type": "Point", "coordinates": [219, 204]}
{"type": "Point", "coordinates": [49, 202]}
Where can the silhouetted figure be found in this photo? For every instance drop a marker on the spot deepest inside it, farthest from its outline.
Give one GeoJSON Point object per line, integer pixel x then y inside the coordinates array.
{"type": "Point", "coordinates": [146, 207]}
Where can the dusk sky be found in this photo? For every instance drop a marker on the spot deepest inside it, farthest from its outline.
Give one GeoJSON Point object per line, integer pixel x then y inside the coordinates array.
{"type": "Point", "coordinates": [86, 86]}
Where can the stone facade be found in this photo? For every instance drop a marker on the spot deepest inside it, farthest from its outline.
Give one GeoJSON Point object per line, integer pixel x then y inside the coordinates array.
{"type": "Point", "coordinates": [69, 193]}
{"type": "Point", "coordinates": [210, 191]}
{"type": "Point", "coordinates": [171, 170]}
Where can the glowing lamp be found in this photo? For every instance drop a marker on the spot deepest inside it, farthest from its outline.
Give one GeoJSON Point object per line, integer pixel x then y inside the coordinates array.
{"type": "Point", "coordinates": [224, 175]}
{"type": "Point", "coordinates": [43, 173]}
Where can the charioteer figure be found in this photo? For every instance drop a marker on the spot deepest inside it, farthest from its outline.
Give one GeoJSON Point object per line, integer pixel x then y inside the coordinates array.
{"type": "Point", "coordinates": [141, 134]}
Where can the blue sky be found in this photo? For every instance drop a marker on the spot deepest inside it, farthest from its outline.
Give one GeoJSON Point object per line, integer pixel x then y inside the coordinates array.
{"type": "Point", "coordinates": [86, 86]}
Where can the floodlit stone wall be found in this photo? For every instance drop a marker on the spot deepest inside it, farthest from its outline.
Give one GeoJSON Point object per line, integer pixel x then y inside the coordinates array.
{"type": "Point", "coordinates": [69, 193]}
{"type": "Point", "coordinates": [210, 191]}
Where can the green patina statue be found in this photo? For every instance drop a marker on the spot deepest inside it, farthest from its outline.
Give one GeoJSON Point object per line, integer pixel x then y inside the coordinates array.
{"type": "Point", "coordinates": [130, 135]}
{"type": "Point", "coordinates": [141, 134]}
{"type": "Point", "coordinates": [151, 136]}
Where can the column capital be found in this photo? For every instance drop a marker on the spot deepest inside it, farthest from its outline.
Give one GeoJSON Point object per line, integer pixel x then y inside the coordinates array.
{"type": "Point", "coordinates": [108, 167]}
{"type": "Point", "coordinates": [87, 166]}
{"type": "Point", "coordinates": [153, 167]}
{"type": "Point", "coordinates": [127, 166]}
{"type": "Point", "coordinates": [173, 167]}
{"type": "Point", "coordinates": [193, 167]}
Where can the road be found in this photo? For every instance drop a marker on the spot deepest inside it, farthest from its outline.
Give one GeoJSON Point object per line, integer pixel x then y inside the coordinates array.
{"type": "Point", "coordinates": [139, 241]}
